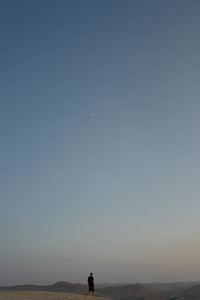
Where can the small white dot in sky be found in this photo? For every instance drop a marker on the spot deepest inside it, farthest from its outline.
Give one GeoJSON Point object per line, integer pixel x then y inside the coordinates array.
{"type": "Point", "coordinates": [92, 115]}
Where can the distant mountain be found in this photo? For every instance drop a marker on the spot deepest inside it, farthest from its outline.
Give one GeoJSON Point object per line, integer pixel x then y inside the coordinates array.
{"type": "Point", "coordinates": [64, 286]}
{"type": "Point", "coordinates": [170, 289]}
{"type": "Point", "coordinates": [61, 286]}
{"type": "Point", "coordinates": [103, 285]}
{"type": "Point", "coordinates": [129, 292]}
{"type": "Point", "coordinates": [24, 287]}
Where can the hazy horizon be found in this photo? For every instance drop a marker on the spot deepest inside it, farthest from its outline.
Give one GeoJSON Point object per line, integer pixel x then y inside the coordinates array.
{"type": "Point", "coordinates": [100, 284]}
{"type": "Point", "coordinates": [100, 143]}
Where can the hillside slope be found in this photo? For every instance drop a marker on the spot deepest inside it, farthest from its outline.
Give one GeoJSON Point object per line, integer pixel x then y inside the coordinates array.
{"type": "Point", "coordinates": [129, 292]}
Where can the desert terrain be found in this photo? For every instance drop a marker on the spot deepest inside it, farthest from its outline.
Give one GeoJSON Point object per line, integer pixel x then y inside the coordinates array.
{"type": "Point", "coordinates": [41, 295]}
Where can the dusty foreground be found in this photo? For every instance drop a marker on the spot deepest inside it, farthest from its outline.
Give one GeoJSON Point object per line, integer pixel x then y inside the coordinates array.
{"type": "Point", "coordinates": [40, 295]}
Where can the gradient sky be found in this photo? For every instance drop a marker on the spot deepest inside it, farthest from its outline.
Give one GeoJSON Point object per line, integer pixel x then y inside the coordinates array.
{"type": "Point", "coordinates": [100, 141]}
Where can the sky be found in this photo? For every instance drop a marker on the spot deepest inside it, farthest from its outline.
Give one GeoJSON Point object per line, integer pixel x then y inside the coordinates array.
{"type": "Point", "coordinates": [99, 141]}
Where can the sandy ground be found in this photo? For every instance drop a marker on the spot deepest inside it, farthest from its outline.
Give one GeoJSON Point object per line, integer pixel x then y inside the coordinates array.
{"type": "Point", "coordinates": [37, 295]}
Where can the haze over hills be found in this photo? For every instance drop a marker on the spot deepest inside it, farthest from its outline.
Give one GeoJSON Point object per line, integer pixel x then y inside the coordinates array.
{"type": "Point", "coordinates": [154, 291]}
{"type": "Point", "coordinates": [171, 289]}
{"type": "Point", "coordinates": [132, 291]}
{"type": "Point", "coordinates": [60, 286]}
{"type": "Point", "coordinates": [192, 293]}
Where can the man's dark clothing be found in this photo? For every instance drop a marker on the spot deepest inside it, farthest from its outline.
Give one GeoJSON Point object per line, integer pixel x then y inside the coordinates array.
{"type": "Point", "coordinates": [91, 283]}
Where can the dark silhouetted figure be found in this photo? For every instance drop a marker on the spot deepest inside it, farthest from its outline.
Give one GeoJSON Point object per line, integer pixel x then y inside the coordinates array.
{"type": "Point", "coordinates": [91, 284]}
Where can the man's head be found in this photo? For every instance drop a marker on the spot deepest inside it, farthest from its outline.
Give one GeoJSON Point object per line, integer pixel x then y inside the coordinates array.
{"type": "Point", "coordinates": [91, 274]}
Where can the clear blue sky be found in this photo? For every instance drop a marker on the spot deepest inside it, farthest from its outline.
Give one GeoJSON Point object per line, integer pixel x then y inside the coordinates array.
{"type": "Point", "coordinates": [100, 140]}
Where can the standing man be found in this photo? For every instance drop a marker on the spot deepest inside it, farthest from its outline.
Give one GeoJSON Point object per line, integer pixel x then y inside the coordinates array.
{"type": "Point", "coordinates": [91, 284]}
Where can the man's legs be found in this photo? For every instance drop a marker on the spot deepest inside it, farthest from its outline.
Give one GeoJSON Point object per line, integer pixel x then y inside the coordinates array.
{"type": "Point", "coordinates": [91, 289]}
